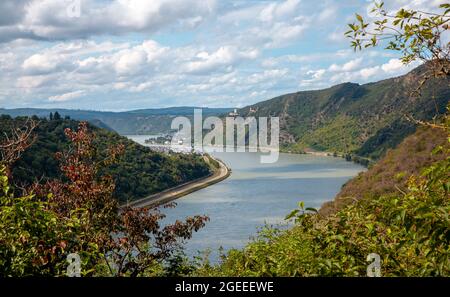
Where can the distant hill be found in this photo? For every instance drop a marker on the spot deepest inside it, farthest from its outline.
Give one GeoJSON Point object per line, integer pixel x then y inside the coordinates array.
{"type": "Point", "coordinates": [180, 111]}
{"type": "Point", "coordinates": [144, 121]}
{"type": "Point", "coordinates": [349, 118]}
{"type": "Point", "coordinates": [138, 173]}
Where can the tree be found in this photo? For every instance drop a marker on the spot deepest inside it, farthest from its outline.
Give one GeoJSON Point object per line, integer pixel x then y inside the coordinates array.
{"type": "Point", "coordinates": [33, 240]}
{"type": "Point", "coordinates": [417, 35]}
{"type": "Point", "coordinates": [130, 241]}
{"type": "Point", "coordinates": [56, 116]}
{"type": "Point", "coordinates": [14, 144]}
{"type": "Point", "coordinates": [78, 213]}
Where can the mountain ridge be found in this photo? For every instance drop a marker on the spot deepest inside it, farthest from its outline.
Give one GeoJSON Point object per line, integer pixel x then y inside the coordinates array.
{"type": "Point", "coordinates": [355, 119]}
{"type": "Point", "coordinates": [141, 121]}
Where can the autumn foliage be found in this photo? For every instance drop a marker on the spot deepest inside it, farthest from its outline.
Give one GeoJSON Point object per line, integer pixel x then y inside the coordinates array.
{"type": "Point", "coordinates": [78, 213]}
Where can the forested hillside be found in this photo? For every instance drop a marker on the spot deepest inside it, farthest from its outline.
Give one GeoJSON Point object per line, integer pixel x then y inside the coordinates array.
{"type": "Point", "coordinates": [139, 171]}
{"type": "Point", "coordinates": [363, 120]}
{"type": "Point", "coordinates": [391, 174]}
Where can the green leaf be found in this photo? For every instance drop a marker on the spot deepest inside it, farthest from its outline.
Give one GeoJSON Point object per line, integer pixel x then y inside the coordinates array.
{"type": "Point", "coordinates": [292, 214]}
{"type": "Point", "coordinates": [359, 18]}
{"type": "Point", "coordinates": [312, 209]}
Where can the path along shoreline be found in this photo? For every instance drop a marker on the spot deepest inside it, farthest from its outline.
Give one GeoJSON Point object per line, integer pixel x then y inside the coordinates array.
{"type": "Point", "coordinates": [179, 191]}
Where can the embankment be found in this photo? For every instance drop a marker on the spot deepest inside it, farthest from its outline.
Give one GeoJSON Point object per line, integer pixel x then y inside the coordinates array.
{"type": "Point", "coordinates": [171, 194]}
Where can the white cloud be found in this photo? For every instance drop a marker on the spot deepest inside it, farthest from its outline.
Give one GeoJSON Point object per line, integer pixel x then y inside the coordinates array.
{"type": "Point", "coordinates": [227, 78]}
{"type": "Point", "coordinates": [352, 65]}
{"type": "Point", "coordinates": [130, 61]}
{"type": "Point", "coordinates": [349, 66]}
{"type": "Point", "coordinates": [258, 94]}
{"type": "Point", "coordinates": [27, 83]}
{"type": "Point", "coordinates": [48, 19]}
{"type": "Point", "coordinates": [142, 87]}
{"type": "Point", "coordinates": [327, 14]}
{"type": "Point", "coordinates": [275, 11]}
{"type": "Point", "coordinates": [225, 56]}
{"type": "Point", "coordinates": [369, 72]}
{"type": "Point", "coordinates": [66, 96]}
{"type": "Point", "coordinates": [282, 34]}
{"type": "Point", "coordinates": [267, 75]}
{"type": "Point", "coordinates": [274, 24]}
{"type": "Point", "coordinates": [42, 64]}
{"type": "Point", "coordinates": [394, 65]}
{"type": "Point", "coordinates": [316, 74]}
{"type": "Point", "coordinates": [352, 71]}
{"type": "Point", "coordinates": [7, 61]}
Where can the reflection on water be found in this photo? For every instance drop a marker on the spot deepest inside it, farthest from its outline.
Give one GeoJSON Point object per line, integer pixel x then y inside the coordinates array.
{"type": "Point", "coordinates": [258, 193]}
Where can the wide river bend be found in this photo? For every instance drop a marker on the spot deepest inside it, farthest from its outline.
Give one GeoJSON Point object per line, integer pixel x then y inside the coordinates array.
{"type": "Point", "coordinates": [256, 194]}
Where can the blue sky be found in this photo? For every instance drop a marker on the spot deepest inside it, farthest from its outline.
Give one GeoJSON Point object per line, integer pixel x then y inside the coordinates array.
{"type": "Point", "coordinates": [130, 54]}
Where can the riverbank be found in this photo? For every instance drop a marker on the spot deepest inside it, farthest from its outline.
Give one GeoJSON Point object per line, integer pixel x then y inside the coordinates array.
{"type": "Point", "coordinates": [366, 162]}
{"type": "Point", "coordinates": [177, 192]}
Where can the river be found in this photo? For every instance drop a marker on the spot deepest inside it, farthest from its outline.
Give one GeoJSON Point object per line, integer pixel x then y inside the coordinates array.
{"type": "Point", "coordinates": [256, 194]}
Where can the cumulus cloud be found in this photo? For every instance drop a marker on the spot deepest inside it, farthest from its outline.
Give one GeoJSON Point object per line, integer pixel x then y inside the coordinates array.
{"type": "Point", "coordinates": [316, 74]}
{"type": "Point", "coordinates": [349, 66]}
{"type": "Point", "coordinates": [393, 66]}
{"type": "Point", "coordinates": [44, 63]}
{"type": "Point", "coordinates": [369, 72]}
{"type": "Point", "coordinates": [49, 19]}
{"type": "Point", "coordinates": [225, 56]}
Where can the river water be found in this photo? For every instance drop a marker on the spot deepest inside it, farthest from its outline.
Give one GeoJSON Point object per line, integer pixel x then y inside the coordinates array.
{"type": "Point", "coordinates": [256, 194]}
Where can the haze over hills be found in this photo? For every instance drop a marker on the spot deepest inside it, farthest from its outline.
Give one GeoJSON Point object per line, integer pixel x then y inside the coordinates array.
{"type": "Point", "coordinates": [349, 118]}
{"type": "Point", "coordinates": [142, 121]}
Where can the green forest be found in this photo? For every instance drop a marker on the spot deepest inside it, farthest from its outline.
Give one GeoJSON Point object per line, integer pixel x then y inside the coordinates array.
{"type": "Point", "coordinates": [138, 173]}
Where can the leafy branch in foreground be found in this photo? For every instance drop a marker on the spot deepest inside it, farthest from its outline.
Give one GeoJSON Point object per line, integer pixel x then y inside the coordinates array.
{"type": "Point", "coordinates": [417, 35]}
{"type": "Point", "coordinates": [16, 142]}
